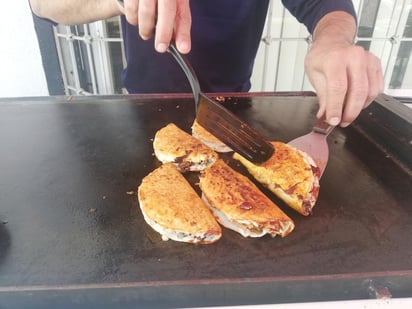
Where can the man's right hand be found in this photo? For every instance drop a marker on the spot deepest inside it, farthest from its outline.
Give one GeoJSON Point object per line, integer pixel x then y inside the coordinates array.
{"type": "Point", "coordinates": [170, 18]}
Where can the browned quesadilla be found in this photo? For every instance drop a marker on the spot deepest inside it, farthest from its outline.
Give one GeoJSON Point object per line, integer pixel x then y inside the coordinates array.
{"type": "Point", "coordinates": [172, 144]}
{"type": "Point", "coordinates": [291, 174]}
{"type": "Point", "coordinates": [172, 208]}
{"type": "Point", "coordinates": [208, 138]}
{"type": "Point", "coordinates": [239, 205]}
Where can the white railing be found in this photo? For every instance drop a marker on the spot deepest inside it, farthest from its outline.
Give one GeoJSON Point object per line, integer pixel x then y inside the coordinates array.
{"type": "Point", "coordinates": [279, 63]}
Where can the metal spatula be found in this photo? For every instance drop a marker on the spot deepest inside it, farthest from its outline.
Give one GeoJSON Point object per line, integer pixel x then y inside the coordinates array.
{"type": "Point", "coordinates": [315, 143]}
{"type": "Point", "coordinates": [222, 123]}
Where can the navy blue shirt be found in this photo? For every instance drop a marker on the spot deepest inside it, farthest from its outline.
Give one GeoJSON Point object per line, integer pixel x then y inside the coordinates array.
{"type": "Point", "coordinates": [225, 38]}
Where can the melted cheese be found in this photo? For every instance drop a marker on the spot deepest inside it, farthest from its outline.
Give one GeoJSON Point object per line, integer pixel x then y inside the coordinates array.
{"type": "Point", "coordinates": [173, 145]}
{"type": "Point", "coordinates": [174, 209]}
{"type": "Point", "coordinates": [238, 226]}
{"type": "Point", "coordinates": [239, 205]}
{"type": "Point", "coordinates": [209, 139]}
{"type": "Point", "coordinates": [181, 236]}
{"type": "Point", "coordinates": [288, 174]}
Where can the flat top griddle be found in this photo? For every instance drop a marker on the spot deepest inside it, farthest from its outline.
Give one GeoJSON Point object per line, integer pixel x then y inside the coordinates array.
{"type": "Point", "coordinates": [70, 230]}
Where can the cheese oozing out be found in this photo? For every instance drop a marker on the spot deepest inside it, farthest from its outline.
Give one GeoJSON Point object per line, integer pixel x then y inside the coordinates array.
{"type": "Point", "coordinates": [195, 165]}
{"type": "Point", "coordinates": [246, 228]}
{"type": "Point", "coordinates": [219, 147]}
{"type": "Point", "coordinates": [297, 184]}
{"type": "Point", "coordinates": [180, 235]}
{"type": "Point", "coordinates": [311, 197]}
{"type": "Point", "coordinates": [208, 138]}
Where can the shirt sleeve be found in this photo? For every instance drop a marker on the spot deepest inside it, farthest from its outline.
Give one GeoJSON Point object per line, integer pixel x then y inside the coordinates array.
{"type": "Point", "coordinates": [309, 12]}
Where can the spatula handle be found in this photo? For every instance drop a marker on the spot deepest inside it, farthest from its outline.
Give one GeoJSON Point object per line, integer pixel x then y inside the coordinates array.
{"type": "Point", "coordinates": [189, 71]}
{"type": "Point", "coordinates": [322, 127]}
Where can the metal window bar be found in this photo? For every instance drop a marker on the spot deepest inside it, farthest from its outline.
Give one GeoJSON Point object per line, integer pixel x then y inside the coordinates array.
{"type": "Point", "coordinates": [88, 42]}
{"type": "Point", "coordinates": [400, 31]}
{"type": "Point", "coordinates": [83, 38]}
{"type": "Point", "coordinates": [74, 62]}
{"type": "Point", "coordinates": [275, 86]}
{"type": "Point", "coordinates": [60, 57]}
{"type": "Point", "coordinates": [70, 37]}
{"type": "Point", "coordinates": [359, 9]}
{"type": "Point", "coordinates": [103, 58]}
{"type": "Point", "coordinates": [79, 91]}
{"type": "Point", "coordinates": [394, 39]}
{"type": "Point", "coordinates": [309, 41]}
{"type": "Point", "coordinates": [122, 45]}
{"type": "Point", "coordinates": [267, 39]}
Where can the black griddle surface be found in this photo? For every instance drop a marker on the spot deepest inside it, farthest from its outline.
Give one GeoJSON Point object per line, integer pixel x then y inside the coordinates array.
{"type": "Point", "coordinates": [66, 218]}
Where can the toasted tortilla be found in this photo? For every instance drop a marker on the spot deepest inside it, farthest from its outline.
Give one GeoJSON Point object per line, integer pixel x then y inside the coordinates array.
{"type": "Point", "coordinates": [172, 144]}
{"type": "Point", "coordinates": [208, 138]}
{"type": "Point", "coordinates": [290, 174]}
{"type": "Point", "coordinates": [238, 204]}
{"type": "Point", "coordinates": [173, 208]}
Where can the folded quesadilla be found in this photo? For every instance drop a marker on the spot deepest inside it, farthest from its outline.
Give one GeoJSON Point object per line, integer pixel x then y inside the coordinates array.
{"type": "Point", "coordinates": [208, 138]}
{"type": "Point", "coordinates": [172, 144]}
{"type": "Point", "coordinates": [173, 208]}
{"type": "Point", "coordinates": [239, 205]}
{"type": "Point", "coordinates": [290, 174]}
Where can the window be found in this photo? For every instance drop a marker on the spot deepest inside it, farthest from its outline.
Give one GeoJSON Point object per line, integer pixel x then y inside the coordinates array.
{"type": "Point", "coordinates": [92, 56]}
{"type": "Point", "coordinates": [403, 65]}
{"type": "Point", "coordinates": [384, 28]}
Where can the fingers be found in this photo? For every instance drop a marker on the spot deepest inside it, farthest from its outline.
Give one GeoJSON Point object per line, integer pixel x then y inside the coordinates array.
{"type": "Point", "coordinates": [346, 81]}
{"type": "Point", "coordinates": [365, 84]}
{"type": "Point", "coordinates": [146, 18]}
{"type": "Point", "coordinates": [320, 84]}
{"type": "Point", "coordinates": [322, 107]}
{"type": "Point", "coordinates": [358, 86]}
{"type": "Point", "coordinates": [183, 26]}
{"type": "Point", "coordinates": [170, 19]}
{"type": "Point", "coordinates": [174, 22]}
{"type": "Point", "coordinates": [165, 24]}
{"type": "Point", "coordinates": [121, 7]}
{"type": "Point", "coordinates": [375, 78]}
{"type": "Point", "coordinates": [131, 11]}
{"type": "Point", "coordinates": [335, 92]}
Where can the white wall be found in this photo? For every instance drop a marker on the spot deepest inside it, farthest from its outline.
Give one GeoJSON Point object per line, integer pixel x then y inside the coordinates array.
{"type": "Point", "coordinates": [21, 70]}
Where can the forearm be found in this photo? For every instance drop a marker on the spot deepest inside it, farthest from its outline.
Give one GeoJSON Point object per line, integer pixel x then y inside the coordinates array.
{"type": "Point", "coordinates": [71, 12]}
{"type": "Point", "coordinates": [335, 28]}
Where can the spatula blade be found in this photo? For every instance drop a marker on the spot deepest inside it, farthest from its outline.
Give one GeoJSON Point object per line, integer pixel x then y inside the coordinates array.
{"type": "Point", "coordinates": [232, 131]}
{"type": "Point", "coordinates": [221, 122]}
{"type": "Point", "coordinates": [315, 144]}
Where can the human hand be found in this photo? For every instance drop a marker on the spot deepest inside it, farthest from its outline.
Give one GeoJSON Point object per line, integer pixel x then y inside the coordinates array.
{"type": "Point", "coordinates": [170, 18]}
{"type": "Point", "coordinates": [347, 79]}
